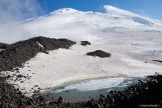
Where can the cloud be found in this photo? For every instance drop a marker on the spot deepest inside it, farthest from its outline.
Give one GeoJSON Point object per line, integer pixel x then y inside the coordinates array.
{"type": "Point", "coordinates": [15, 10]}
{"type": "Point", "coordinates": [12, 13]}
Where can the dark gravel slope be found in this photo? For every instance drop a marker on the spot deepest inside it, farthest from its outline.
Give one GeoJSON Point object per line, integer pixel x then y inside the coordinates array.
{"type": "Point", "coordinates": [14, 55]}
{"type": "Point", "coordinates": [18, 53]}
{"type": "Point", "coordinates": [11, 97]}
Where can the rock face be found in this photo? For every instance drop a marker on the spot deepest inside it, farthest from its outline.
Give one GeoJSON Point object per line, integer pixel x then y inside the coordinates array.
{"type": "Point", "coordinates": [99, 53]}
{"type": "Point", "coordinates": [4, 46]}
{"type": "Point", "coordinates": [11, 97]}
{"type": "Point", "coordinates": [16, 54]}
{"type": "Point", "coordinates": [85, 43]}
{"type": "Point", "coordinates": [60, 100]}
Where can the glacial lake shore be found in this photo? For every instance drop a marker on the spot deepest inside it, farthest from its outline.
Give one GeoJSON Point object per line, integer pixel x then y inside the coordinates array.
{"type": "Point", "coordinates": [84, 90]}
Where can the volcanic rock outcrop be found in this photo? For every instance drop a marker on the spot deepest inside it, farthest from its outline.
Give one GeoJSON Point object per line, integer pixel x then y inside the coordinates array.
{"type": "Point", "coordinates": [85, 43]}
{"type": "Point", "coordinates": [16, 54]}
{"type": "Point", "coordinates": [99, 53]}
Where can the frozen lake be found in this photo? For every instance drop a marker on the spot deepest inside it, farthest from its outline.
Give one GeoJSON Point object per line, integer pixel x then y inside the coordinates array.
{"type": "Point", "coordinates": [85, 89]}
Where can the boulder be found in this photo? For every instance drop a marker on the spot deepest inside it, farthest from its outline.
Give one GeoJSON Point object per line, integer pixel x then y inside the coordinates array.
{"type": "Point", "coordinates": [85, 43]}
{"type": "Point", "coordinates": [60, 100]}
{"type": "Point", "coordinates": [99, 53]}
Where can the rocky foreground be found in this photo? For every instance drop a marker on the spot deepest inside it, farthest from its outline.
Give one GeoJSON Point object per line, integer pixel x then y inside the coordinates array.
{"type": "Point", "coordinates": [145, 93]}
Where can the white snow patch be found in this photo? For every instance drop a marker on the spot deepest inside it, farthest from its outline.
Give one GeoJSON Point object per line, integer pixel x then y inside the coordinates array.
{"type": "Point", "coordinates": [1, 50]}
{"type": "Point", "coordinates": [39, 44]}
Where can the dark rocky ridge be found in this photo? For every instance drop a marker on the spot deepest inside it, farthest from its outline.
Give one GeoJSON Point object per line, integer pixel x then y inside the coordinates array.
{"type": "Point", "coordinates": [158, 61]}
{"type": "Point", "coordinates": [99, 53]}
{"type": "Point", "coordinates": [18, 53]}
{"type": "Point", "coordinates": [4, 46]}
{"type": "Point", "coordinates": [14, 55]}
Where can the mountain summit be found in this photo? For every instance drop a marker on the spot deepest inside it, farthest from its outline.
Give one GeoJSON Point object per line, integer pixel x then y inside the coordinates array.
{"type": "Point", "coordinates": [65, 11]}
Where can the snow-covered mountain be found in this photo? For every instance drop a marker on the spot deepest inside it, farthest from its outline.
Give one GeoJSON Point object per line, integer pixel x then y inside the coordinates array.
{"type": "Point", "coordinates": [133, 40]}
{"type": "Point", "coordinates": [76, 24]}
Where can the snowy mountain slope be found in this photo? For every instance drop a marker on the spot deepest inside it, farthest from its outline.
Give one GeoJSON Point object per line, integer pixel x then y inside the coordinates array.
{"type": "Point", "coordinates": [126, 14]}
{"type": "Point", "coordinates": [72, 23]}
{"type": "Point", "coordinates": [133, 40]}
